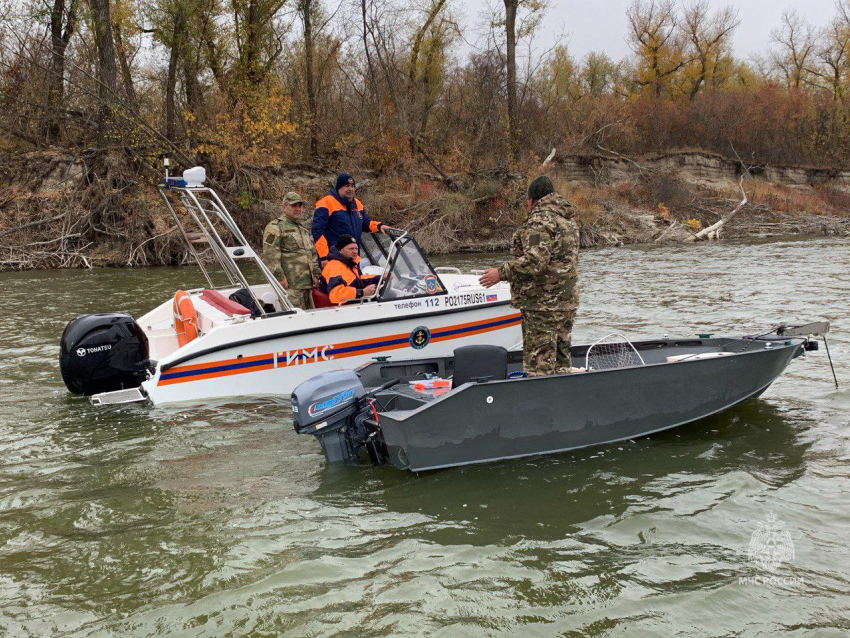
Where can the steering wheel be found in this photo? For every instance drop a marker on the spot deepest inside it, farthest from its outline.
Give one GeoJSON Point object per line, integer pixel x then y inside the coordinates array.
{"type": "Point", "coordinates": [414, 284]}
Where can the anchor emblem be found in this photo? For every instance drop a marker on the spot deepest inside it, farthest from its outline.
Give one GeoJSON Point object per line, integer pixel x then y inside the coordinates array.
{"type": "Point", "coordinates": [420, 337]}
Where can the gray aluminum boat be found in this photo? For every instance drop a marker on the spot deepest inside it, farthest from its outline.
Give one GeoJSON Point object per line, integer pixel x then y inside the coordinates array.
{"type": "Point", "coordinates": [491, 411]}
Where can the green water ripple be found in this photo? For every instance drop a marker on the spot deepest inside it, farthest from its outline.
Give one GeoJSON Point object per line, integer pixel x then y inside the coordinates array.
{"type": "Point", "coordinates": [220, 521]}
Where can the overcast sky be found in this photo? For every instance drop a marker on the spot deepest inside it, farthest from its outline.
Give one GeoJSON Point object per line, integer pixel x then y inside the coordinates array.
{"type": "Point", "coordinates": [594, 25]}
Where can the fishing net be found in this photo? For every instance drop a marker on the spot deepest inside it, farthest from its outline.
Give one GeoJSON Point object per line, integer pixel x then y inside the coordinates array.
{"type": "Point", "coordinates": [612, 351]}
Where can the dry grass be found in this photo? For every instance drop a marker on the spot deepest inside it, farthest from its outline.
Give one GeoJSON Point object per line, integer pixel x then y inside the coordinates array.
{"type": "Point", "coordinates": [796, 200]}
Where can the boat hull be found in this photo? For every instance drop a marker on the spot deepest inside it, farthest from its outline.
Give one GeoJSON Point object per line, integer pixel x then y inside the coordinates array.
{"type": "Point", "coordinates": [271, 357]}
{"type": "Point", "coordinates": [508, 419]}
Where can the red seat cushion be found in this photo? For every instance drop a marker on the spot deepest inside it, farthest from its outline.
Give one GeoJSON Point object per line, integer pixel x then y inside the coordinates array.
{"type": "Point", "coordinates": [220, 302]}
{"type": "Point", "coordinates": [320, 299]}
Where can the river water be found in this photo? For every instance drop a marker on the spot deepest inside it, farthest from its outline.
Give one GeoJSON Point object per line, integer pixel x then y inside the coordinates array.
{"type": "Point", "coordinates": [220, 521]}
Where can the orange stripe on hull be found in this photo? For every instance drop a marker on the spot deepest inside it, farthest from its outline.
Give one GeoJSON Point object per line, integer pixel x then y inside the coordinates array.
{"type": "Point", "coordinates": [504, 322]}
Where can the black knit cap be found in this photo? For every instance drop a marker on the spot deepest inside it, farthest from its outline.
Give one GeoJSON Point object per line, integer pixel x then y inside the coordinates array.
{"type": "Point", "coordinates": [344, 240]}
{"type": "Point", "coordinates": [540, 187]}
{"type": "Point", "coordinates": [344, 179]}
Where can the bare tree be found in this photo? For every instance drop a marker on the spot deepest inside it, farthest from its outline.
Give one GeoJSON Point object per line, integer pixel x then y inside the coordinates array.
{"type": "Point", "coordinates": [258, 43]}
{"type": "Point", "coordinates": [831, 56]}
{"type": "Point", "coordinates": [306, 10]}
{"type": "Point", "coordinates": [119, 20]}
{"type": "Point", "coordinates": [511, 7]}
{"type": "Point", "coordinates": [796, 42]}
{"type": "Point", "coordinates": [430, 39]}
{"type": "Point", "coordinates": [656, 40]}
{"type": "Point", "coordinates": [370, 66]}
{"type": "Point", "coordinates": [176, 43]}
{"type": "Point", "coordinates": [709, 36]}
{"type": "Point", "coordinates": [107, 72]}
{"type": "Point", "coordinates": [63, 21]}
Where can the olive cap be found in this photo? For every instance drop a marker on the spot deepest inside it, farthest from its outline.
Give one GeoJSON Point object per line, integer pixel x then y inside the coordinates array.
{"type": "Point", "coordinates": [292, 198]}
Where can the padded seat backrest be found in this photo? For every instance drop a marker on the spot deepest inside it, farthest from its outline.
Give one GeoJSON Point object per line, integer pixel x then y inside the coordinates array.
{"type": "Point", "coordinates": [474, 362]}
{"type": "Point", "coordinates": [222, 303]}
{"type": "Point", "coordinates": [320, 299]}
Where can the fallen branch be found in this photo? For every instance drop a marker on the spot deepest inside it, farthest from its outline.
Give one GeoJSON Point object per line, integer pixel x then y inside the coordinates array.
{"type": "Point", "coordinates": [642, 169]}
{"type": "Point", "coordinates": [31, 224]}
{"type": "Point", "coordinates": [131, 259]}
{"type": "Point", "coordinates": [666, 231]}
{"type": "Point", "coordinates": [547, 161]}
{"type": "Point", "coordinates": [587, 137]}
{"type": "Point", "coordinates": [713, 231]}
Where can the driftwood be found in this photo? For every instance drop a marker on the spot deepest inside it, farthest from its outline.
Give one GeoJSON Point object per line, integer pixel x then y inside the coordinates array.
{"type": "Point", "coordinates": [666, 231]}
{"type": "Point", "coordinates": [31, 224]}
{"type": "Point", "coordinates": [132, 261]}
{"type": "Point", "coordinates": [547, 161]}
{"type": "Point", "coordinates": [713, 231]}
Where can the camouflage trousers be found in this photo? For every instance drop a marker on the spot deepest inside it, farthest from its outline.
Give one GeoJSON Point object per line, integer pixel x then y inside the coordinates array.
{"type": "Point", "coordinates": [301, 298]}
{"type": "Point", "coordinates": [546, 337]}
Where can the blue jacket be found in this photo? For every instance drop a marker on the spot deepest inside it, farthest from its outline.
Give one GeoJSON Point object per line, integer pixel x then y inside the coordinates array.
{"type": "Point", "coordinates": [335, 216]}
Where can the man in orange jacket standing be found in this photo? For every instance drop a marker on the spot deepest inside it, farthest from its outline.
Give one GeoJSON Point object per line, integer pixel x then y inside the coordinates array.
{"type": "Point", "coordinates": [340, 213]}
{"type": "Point", "coordinates": [341, 277]}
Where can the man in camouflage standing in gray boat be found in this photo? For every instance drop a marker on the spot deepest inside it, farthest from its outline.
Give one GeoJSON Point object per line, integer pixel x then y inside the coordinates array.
{"type": "Point", "coordinates": [543, 273]}
{"type": "Point", "coordinates": [289, 252]}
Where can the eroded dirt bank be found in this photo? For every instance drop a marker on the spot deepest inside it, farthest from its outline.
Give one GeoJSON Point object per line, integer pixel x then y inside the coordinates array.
{"type": "Point", "coordinates": [62, 211]}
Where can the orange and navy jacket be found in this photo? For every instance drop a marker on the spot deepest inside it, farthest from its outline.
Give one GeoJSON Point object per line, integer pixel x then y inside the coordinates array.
{"type": "Point", "coordinates": [335, 216]}
{"type": "Point", "coordinates": [341, 278]}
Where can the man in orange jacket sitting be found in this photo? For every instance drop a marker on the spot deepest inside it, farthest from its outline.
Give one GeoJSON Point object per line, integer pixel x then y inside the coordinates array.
{"type": "Point", "coordinates": [341, 277]}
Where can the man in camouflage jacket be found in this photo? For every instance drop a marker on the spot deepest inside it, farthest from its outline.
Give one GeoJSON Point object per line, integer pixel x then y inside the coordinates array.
{"type": "Point", "coordinates": [289, 252]}
{"type": "Point", "coordinates": [544, 279]}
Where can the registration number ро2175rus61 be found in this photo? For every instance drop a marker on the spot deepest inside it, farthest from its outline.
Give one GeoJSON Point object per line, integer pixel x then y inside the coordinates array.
{"type": "Point", "coordinates": [451, 301]}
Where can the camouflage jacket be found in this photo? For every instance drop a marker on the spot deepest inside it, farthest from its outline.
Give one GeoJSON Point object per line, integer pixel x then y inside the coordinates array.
{"type": "Point", "coordinates": [288, 250]}
{"type": "Point", "coordinates": [544, 269]}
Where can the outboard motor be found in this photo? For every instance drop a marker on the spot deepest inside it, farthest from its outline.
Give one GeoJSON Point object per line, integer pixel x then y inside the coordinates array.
{"type": "Point", "coordinates": [334, 407]}
{"type": "Point", "coordinates": [326, 406]}
{"type": "Point", "coordinates": [102, 353]}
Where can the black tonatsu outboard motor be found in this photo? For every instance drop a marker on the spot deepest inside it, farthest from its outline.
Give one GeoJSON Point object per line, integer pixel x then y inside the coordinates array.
{"type": "Point", "coordinates": [334, 407]}
{"type": "Point", "coordinates": [102, 353]}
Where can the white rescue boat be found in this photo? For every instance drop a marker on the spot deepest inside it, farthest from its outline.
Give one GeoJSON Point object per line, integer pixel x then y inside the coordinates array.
{"type": "Point", "coordinates": [264, 346]}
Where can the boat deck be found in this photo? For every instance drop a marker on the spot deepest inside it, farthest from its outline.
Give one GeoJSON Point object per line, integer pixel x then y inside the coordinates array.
{"type": "Point", "coordinates": [404, 397]}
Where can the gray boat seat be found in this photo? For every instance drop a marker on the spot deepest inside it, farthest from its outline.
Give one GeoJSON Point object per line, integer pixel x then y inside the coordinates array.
{"type": "Point", "coordinates": [475, 362]}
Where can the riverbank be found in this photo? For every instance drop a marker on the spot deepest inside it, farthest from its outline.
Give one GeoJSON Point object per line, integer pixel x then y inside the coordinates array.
{"type": "Point", "coordinates": [58, 211]}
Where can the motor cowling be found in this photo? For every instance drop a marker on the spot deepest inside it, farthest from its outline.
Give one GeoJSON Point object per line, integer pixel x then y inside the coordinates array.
{"type": "Point", "coordinates": [102, 353]}
{"type": "Point", "coordinates": [329, 407]}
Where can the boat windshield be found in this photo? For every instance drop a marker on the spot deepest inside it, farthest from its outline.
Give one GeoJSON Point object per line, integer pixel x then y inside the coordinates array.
{"type": "Point", "coordinates": [375, 247]}
{"type": "Point", "coordinates": [409, 273]}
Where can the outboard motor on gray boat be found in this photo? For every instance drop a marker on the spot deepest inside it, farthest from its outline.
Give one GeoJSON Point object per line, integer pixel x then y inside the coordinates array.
{"type": "Point", "coordinates": [336, 409]}
{"type": "Point", "coordinates": [103, 353]}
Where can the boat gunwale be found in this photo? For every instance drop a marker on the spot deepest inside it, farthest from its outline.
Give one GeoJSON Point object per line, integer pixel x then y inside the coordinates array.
{"type": "Point", "coordinates": [403, 415]}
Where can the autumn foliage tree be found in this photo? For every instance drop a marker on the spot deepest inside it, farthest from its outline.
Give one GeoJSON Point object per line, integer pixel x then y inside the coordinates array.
{"type": "Point", "coordinates": [394, 85]}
